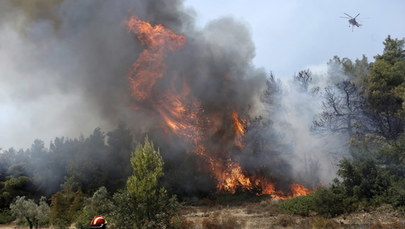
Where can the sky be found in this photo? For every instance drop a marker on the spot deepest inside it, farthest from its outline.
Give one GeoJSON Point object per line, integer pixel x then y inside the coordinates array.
{"type": "Point", "coordinates": [289, 36]}
{"type": "Point", "coordinates": [293, 35]}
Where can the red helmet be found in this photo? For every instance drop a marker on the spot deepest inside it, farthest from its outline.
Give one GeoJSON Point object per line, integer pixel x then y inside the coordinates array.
{"type": "Point", "coordinates": [98, 222]}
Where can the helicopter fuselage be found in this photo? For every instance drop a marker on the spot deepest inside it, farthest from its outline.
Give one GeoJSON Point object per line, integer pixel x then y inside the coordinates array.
{"type": "Point", "coordinates": [353, 22]}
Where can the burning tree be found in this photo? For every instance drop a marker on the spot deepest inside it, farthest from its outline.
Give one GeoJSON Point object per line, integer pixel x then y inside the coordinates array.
{"type": "Point", "coordinates": [213, 123]}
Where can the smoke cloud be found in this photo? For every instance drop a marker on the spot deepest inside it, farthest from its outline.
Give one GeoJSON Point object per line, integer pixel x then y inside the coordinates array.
{"type": "Point", "coordinates": [64, 65]}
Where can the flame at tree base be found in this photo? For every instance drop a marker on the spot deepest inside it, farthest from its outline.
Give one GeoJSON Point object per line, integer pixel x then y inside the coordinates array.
{"type": "Point", "coordinates": [234, 180]}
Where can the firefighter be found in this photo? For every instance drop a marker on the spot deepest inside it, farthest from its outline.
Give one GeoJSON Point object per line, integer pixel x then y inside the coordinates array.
{"type": "Point", "coordinates": [98, 222]}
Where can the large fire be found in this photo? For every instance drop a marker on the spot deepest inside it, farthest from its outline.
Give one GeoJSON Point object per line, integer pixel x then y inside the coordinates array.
{"type": "Point", "coordinates": [182, 114]}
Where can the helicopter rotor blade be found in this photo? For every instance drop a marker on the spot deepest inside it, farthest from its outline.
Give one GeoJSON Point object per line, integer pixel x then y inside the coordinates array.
{"type": "Point", "coordinates": [348, 15]}
{"type": "Point", "coordinates": [356, 15]}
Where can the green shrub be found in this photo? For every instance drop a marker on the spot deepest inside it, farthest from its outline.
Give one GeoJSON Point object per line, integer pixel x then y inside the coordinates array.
{"type": "Point", "coordinates": [300, 205]}
{"type": "Point", "coordinates": [374, 175]}
{"type": "Point", "coordinates": [327, 202]}
{"type": "Point", "coordinates": [99, 204]}
{"type": "Point", "coordinates": [6, 216]}
{"type": "Point", "coordinates": [396, 194]}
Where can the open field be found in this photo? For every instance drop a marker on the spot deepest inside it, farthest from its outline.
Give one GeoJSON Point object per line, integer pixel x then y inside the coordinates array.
{"type": "Point", "coordinates": [266, 215]}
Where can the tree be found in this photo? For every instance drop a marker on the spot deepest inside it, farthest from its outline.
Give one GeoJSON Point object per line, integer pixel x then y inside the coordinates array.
{"type": "Point", "coordinates": [120, 145]}
{"type": "Point", "coordinates": [303, 79]}
{"type": "Point", "coordinates": [147, 164]}
{"type": "Point", "coordinates": [34, 214]}
{"type": "Point", "coordinates": [13, 187]}
{"type": "Point", "coordinates": [384, 89]}
{"type": "Point", "coordinates": [354, 71]}
{"type": "Point", "coordinates": [87, 163]}
{"type": "Point", "coordinates": [65, 205]}
{"type": "Point", "coordinates": [343, 110]}
{"type": "Point", "coordinates": [49, 174]}
{"type": "Point", "coordinates": [144, 202]}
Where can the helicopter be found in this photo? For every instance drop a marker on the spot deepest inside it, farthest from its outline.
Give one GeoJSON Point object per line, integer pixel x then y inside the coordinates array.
{"type": "Point", "coordinates": [352, 20]}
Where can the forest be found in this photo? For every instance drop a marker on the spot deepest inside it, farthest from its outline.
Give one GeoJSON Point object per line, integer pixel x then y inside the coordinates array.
{"type": "Point", "coordinates": [125, 175]}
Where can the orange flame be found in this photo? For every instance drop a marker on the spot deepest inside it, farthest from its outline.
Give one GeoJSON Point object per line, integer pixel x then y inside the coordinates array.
{"type": "Point", "coordinates": [299, 190]}
{"type": "Point", "coordinates": [183, 115]}
{"type": "Point", "coordinates": [239, 129]}
{"type": "Point", "coordinates": [180, 117]}
{"type": "Point", "coordinates": [238, 124]}
{"type": "Point", "coordinates": [231, 178]}
{"type": "Point", "coordinates": [158, 39]}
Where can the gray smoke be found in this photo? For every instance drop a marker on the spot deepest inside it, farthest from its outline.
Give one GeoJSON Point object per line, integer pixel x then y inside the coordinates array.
{"type": "Point", "coordinates": [314, 155]}
{"type": "Point", "coordinates": [64, 64]}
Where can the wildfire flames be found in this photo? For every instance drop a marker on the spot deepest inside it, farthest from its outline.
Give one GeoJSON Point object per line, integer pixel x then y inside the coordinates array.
{"type": "Point", "coordinates": [182, 114]}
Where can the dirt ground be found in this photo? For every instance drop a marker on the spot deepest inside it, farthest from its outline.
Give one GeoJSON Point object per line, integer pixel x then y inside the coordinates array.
{"type": "Point", "coordinates": [7, 226]}
{"type": "Point", "coordinates": [266, 215]}
{"type": "Point", "coordinates": [14, 226]}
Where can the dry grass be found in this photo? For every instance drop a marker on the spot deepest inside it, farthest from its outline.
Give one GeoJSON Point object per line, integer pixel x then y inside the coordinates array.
{"type": "Point", "coordinates": [266, 215]}
{"type": "Point", "coordinates": [263, 207]}
{"type": "Point", "coordinates": [219, 221]}
{"type": "Point", "coordinates": [285, 221]}
{"type": "Point", "coordinates": [390, 225]}
{"type": "Point", "coordinates": [322, 223]}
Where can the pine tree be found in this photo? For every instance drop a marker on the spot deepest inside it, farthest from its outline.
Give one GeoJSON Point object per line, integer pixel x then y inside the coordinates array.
{"type": "Point", "coordinates": [144, 202]}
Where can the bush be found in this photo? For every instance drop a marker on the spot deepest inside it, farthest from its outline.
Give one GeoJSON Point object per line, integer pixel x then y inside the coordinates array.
{"type": "Point", "coordinates": [374, 175]}
{"type": "Point", "coordinates": [396, 193]}
{"type": "Point", "coordinates": [99, 204]}
{"type": "Point", "coordinates": [6, 216]}
{"type": "Point", "coordinates": [327, 202]}
{"type": "Point", "coordinates": [300, 205]}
